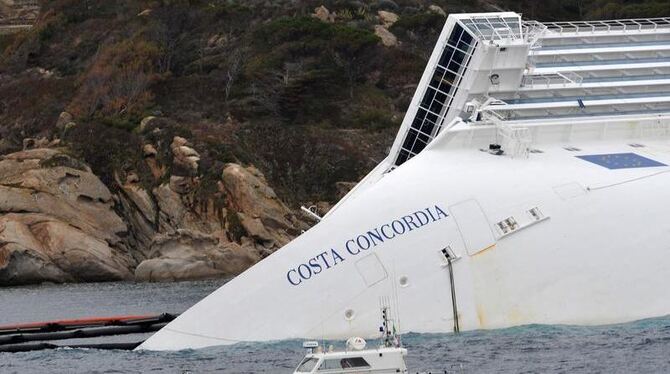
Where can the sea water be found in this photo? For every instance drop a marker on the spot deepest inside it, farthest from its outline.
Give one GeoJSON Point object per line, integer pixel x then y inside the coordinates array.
{"type": "Point", "coordinates": [636, 347]}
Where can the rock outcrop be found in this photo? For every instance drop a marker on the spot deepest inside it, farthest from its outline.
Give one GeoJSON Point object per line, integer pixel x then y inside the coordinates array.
{"type": "Point", "coordinates": [438, 10]}
{"type": "Point", "coordinates": [210, 241]}
{"type": "Point", "coordinates": [192, 255]}
{"type": "Point", "coordinates": [60, 223]}
{"type": "Point", "coordinates": [57, 222]}
{"type": "Point", "coordinates": [387, 37]}
{"type": "Point", "coordinates": [387, 18]}
{"type": "Point", "coordinates": [178, 235]}
{"type": "Point", "coordinates": [262, 215]}
{"type": "Point", "coordinates": [322, 13]}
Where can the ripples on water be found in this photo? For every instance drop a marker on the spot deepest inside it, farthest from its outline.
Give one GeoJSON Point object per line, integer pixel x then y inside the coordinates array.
{"type": "Point", "coordinates": [638, 347]}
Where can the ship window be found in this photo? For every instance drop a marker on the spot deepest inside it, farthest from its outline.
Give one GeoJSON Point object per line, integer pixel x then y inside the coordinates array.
{"type": "Point", "coordinates": [536, 213]}
{"type": "Point", "coordinates": [439, 94]}
{"type": "Point", "coordinates": [636, 145]}
{"type": "Point", "coordinates": [507, 225]}
{"type": "Point", "coordinates": [307, 365]}
{"type": "Point", "coordinates": [572, 149]}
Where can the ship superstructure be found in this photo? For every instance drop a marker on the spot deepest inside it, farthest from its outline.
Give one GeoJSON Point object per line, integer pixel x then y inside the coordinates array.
{"type": "Point", "coordinates": [529, 183]}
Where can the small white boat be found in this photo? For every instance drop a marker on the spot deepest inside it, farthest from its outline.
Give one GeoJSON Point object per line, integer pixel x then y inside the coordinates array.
{"type": "Point", "coordinates": [389, 357]}
{"type": "Point", "coordinates": [379, 360]}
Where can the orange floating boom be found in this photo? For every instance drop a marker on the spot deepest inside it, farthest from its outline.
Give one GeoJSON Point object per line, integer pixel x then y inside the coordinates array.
{"type": "Point", "coordinates": [69, 324]}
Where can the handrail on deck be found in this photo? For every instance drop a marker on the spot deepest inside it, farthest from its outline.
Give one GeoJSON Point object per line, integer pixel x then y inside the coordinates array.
{"type": "Point", "coordinates": [557, 78]}
{"type": "Point", "coordinates": [640, 24]}
{"type": "Point", "coordinates": [492, 28]}
{"type": "Point", "coordinates": [532, 32]}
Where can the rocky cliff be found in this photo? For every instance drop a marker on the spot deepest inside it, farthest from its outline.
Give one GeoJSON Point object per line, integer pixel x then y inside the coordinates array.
{"type": "Point", "coordinates": [60, 223]}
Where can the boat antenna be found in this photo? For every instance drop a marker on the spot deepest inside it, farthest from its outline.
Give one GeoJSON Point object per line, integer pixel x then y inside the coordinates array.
{"type": "Point", "coordinates": [396, 305]}
{"type": "Point", "coordinates": [388, 328]}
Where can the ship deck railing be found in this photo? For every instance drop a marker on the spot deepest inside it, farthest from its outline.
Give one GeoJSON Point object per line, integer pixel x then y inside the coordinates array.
{"type": "Point", "coordinates": [577, 68]}
{"type": "Point", "coordinates": [640, 24]}
{"type": "Point", "coordinates": [574, 118]}
{"type": "Point", "coordinates": [552, 79]}
{"type": "Point", "coordinates": [603, 49]}
{"type": "Point", "coordinates": [588, 97]}
{"type": "Point", "coordinates": [561, 64]}
{"type": "Point", "coordinates": [622, 83]}
{"type": "Point", "coordinates": [653, 119]}
{"type": "Point", "coordinates": [586, 102]}
{"type": "Point", "coordinates": [588, 46]}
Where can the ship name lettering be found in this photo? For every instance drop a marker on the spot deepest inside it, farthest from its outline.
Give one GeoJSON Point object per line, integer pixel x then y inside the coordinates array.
{"type": "Point", "coordinates": [366, 241]}
{"type": "Point", "coordinates": [313, 266]}
{"type": "Point", "coordinates": [384, 232]}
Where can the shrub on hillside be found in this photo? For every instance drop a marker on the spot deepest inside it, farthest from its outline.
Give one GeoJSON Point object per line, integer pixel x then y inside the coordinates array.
{"type": "Point", "coordinates": [108, 151]}
{"type": "Point", "coordinates": [117, 83]}
{"type": "Point", "coordinates": [300, 63]}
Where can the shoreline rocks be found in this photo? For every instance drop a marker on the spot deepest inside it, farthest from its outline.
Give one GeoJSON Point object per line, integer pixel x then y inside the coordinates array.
{"type": "Point", "coordinates": [387, 38]}
{"type": "Point", "coordinates": [59, 223]}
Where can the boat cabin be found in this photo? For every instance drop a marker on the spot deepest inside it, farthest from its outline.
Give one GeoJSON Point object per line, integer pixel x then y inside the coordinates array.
{"type": "Point", "coordinates": [380, 360]}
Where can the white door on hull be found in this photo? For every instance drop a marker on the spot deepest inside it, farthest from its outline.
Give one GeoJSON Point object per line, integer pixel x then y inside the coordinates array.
{"type": "Point", "coordinates": [473, 226]}
{"type": "Point", "coordinates": [371, 269]}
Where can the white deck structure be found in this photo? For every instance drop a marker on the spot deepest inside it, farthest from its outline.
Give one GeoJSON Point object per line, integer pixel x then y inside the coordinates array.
{"type": "Point", "coordinates": [531, 166]}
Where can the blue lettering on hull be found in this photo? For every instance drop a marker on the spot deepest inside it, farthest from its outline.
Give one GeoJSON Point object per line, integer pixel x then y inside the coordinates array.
{"type": "Point", "coordinates": [362, 243]}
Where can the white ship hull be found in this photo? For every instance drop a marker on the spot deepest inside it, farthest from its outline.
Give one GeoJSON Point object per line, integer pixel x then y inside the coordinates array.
{"type": "Point", "coordinates": [600, 257]}
{"type": "Point", "coordinates": [588, 242]}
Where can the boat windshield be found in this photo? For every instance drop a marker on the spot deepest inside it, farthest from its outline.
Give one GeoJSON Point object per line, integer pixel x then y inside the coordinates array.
{"type": "Point", "coordinates": [345, 363]}
{"type": "Point", "coordinates": [307, 365]}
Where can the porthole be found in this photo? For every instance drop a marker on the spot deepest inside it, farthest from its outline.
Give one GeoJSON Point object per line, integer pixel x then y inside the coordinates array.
{"type": "Point", "coordinates": [404, 281]}
{"type": "Point", "coordinates": [349, 314]}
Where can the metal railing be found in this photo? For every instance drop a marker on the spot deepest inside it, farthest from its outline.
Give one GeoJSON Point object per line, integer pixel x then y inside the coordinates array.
{"type": "Point", "coordinates": [642, 24]}
{"type": "Point", "coordinates": [532, 32]}
{"type": "Point", "coordinates": [516, 141]}
{"type": "Point", "coordinates": [491, 28]}
{"type": "Point", "coordinates": [547, 80]}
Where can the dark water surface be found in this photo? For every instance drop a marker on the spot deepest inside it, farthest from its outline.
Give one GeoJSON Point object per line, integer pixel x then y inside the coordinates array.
{"type": "Point", "coordinates": [638, 347]}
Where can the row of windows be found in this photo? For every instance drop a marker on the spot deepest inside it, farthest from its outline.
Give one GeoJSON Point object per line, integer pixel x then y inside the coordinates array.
{"type": "Point", "coordinates": [439, 94]}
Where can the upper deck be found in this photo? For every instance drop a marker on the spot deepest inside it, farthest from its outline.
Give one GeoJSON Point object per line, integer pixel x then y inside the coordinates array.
{"type": "Point", "coordinates": [494, 78]}
{"type": "Point", "coordinates": [494, 69]}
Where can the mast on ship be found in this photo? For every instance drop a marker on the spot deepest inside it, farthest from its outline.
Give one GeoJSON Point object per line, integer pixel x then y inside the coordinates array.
{"type": "Point", "coordinates": [389, 328]}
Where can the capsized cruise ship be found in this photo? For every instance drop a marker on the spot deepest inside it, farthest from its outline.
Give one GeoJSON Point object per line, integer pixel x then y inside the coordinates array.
{"type": "Point", "coordinates": [529, 183]}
